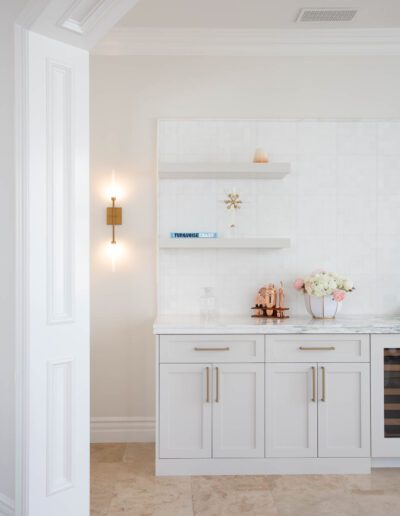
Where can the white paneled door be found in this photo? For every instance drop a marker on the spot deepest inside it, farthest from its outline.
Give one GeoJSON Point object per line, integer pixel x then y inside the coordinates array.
{"type": "Point", "coordinates": [343, 410]}
{"type": "Point", "coordinates": [238, 410]}
{"type": "Point", "coordinates": [185, 411]}
{"type": "Point", "coordinates": [57, 410]}
{"type": "Point", "coordinates": [291, 410]}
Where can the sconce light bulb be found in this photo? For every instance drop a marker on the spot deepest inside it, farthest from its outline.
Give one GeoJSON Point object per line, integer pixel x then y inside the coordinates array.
{"type": "Point", "coordinates": [113, 250]}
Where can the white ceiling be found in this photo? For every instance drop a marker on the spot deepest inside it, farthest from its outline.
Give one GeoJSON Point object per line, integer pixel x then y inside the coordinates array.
{"type": "Point", "coordinates": [257, 14]}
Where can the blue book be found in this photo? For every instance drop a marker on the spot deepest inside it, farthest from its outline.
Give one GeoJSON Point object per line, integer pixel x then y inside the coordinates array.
{"type": "Point", "coordinates": [194, 235]}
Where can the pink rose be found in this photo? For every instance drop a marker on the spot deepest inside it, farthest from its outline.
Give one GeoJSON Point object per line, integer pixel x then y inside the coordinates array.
{"type": "Point", "coordinates": [298, 284]}
{"type": "Point", "coordinates": [338, 295]}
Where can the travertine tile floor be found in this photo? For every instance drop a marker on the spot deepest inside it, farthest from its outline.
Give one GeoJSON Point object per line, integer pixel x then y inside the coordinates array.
{"type": "Point", "coordinates": [123, 483]}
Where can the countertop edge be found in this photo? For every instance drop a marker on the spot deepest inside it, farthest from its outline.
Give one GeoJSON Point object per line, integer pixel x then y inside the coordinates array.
{"type": "Point", "coordinates": [373, 325]}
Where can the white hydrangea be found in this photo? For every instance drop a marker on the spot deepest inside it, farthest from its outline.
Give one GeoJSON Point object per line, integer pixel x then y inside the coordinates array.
{"type": "Point", "coordinates": [325, 283]}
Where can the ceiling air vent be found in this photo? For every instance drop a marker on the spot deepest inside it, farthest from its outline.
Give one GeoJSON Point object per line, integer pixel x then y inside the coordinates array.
{"type": "Point", "coordinates": [325, 15]}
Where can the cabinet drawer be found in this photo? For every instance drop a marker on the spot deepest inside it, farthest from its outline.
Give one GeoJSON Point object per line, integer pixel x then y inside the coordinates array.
{"type": "Point", "coordinates": [317, 348]}
{"type": "Point", "coordinates": [211, 348]}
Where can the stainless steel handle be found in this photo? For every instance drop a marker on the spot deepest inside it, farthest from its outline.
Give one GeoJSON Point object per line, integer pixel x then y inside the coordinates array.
{"type": "Point", "coordinates": [326, 348]}
{"type": "Point", "coordinates": [217, 385]}
{"type": "Point", "coordinates": [212, 349]}
{"type": "Point", "coordinates": [323, 398]}
{"type": "Point", "coordinates": [313, 385]}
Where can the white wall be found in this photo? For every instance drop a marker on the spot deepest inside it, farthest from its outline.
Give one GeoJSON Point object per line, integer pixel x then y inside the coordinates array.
{"type": "Point", "coordinates": [129, 94]}
{"type": "Point", "coordinates": [340, 205]}
{"type": "Point", "coordinates": [9, 12]}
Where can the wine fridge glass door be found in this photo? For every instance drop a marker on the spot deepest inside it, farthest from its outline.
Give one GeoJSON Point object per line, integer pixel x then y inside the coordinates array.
{"type": "Point", "coordinates": [385, 395]}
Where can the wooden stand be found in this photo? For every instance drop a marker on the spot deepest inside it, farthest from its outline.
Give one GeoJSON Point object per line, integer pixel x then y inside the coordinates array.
{"type": "Point", "coordinates": [277, 312]}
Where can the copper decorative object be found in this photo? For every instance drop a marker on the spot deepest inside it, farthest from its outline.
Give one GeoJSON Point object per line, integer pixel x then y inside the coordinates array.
{"type": "Point", "coordinates": [270, 303]}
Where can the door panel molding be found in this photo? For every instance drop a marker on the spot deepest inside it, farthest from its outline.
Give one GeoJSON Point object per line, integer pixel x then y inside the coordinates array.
{"type": "Point", "coordinates": [289, 391]}
{"type": "Point", "coordinates": [238, 410]}
{"type": "Point", "coordinates": [60, 198]}
{"type": "Point", "coordinates": [345, 411]}
{"type": "Point", "coordinates": [59, 425]}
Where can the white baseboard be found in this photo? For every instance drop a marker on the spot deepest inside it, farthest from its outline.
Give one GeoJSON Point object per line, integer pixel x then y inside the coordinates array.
{"type": "Point", "coordinates": [386, 463]}
{"type": "Point", "coordinates": [122, 430]}
{"type": "Point", "coordinates": [6, 506]}
{"type": "Point", "coordinates": [263, 466]}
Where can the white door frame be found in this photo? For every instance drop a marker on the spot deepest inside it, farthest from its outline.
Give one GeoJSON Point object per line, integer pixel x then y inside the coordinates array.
{"type": "Point", "coordinates": [80, 23]}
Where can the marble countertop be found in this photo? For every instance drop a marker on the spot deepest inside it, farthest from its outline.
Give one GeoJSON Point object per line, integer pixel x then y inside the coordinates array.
{"type": "Point", "coordinates": [184, 324]}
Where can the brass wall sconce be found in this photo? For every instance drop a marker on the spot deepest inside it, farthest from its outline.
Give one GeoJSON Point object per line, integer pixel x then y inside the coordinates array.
{"type": "Point", "coordinates": [114, 218]}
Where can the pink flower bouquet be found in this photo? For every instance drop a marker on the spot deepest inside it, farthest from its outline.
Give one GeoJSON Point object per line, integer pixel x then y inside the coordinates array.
{"type": "Point", "coordinates": [324, 292]}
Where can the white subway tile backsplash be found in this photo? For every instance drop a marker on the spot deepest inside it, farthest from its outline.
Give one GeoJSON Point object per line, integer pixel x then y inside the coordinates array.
{"type": "Point", "coordinates": [388, 175]}
{"type": "Point", "coordinates": [358, 138]}
{"type": "Point", "coordinates": [313, 253]}
{"type": "Point", "coordinates": [388, 217]}
{"type": "Point", "coordinates": [315, 137]}
{"type": "Point", "coordinates": [356, 175]}
{"type": "Point", "coordinates": [275, 215]}
{"type": "Point", "coordinates": [316, 215]}
{"type": "Point", "coordinates": [388, 293]}
{"type": "Point", "coordinates": [277, 137]}
{"type": "Point", "coordinates": [389, 138]}
{"type": "Point", "coordinates": [388, 255]}
{"type": "Point", "coordinates": [316, 175]}
{"type": "Point", "coordinates": [195, 212]}
{"type": "Point", "coordinates": [340, 206]}
{"type": "Point", "coordinates": [356, 215]}
{"type": "Point", "coordinates": [356, 254]}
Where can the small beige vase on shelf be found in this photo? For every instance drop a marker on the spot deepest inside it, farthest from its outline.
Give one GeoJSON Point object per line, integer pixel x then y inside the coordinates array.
{"type": "Point", "coordinates": [260, 156]}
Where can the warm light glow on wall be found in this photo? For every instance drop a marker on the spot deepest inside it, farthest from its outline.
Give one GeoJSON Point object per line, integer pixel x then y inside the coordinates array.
{"type": "Point", "coordinates": [114, 252]}
{"type": "Point", "coordinates": [114, 189]}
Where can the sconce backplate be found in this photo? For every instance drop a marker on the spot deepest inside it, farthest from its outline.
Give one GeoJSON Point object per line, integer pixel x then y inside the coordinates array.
{"type": "Point", "coordinates": [114, 216]}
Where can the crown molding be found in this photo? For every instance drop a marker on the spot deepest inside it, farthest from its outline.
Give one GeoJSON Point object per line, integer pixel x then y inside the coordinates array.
{"type": "Point", "coordinates": [248, 42]}
{"type": "Point", "coordinates": [81, 23]}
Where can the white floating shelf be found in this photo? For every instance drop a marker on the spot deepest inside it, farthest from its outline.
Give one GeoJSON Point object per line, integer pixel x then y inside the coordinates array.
{"type": "Point", "coordinates": [222, 170]}
{"type": "Point", "coordinates": [224, 243]}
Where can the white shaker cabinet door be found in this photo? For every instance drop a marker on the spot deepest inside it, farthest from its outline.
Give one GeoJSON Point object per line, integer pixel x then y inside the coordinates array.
{"type": "Point", "coordinates": [343, 410]}
{"type": "Point", "coordinates": [291, 410]}
{"type": "Point", "coordinates": [185, 411]}
{"type": "Point", "coordinates": [238, 410]}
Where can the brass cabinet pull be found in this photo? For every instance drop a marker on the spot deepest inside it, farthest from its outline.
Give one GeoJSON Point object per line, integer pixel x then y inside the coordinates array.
{"type": "Point", "coordinates": [217, 385]}
{"type": "Point", "coordinates": [323, 398]}
{"type": "Point", "coordinates": [212, 349]}
{"type": "Point", "coordinates": [326, 348]}
{"type": "Point", "coordinates": [208, 384]}
{"type": "Point", "coordinates": [313, 385]}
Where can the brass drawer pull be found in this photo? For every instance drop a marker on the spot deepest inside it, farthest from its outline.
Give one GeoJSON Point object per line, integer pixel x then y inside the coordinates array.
{"type": "Point", "coordinates": [323, 398]}
{"type": "Point", "coordinates": [212, 349]}
{"type": "Point", "coordinates": [217, 385]}
{"type": "Point", "coordinates": [313, 385]}
{"type": "Point", "coordinates": [327, 348]}
{"type": "Point", "coordinates": [208, 384]}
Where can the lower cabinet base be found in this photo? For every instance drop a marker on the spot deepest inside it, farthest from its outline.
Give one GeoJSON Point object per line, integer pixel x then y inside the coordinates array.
{"type": "Point", "coordinates": [284, 466]}
{"type": "Point", "coordinates": [385, 463]}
